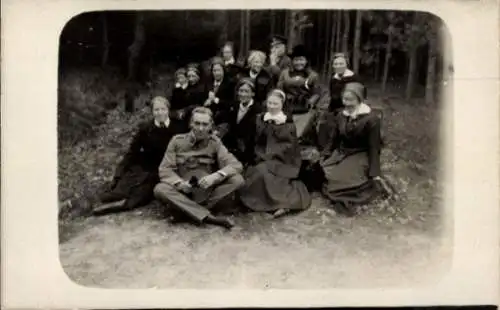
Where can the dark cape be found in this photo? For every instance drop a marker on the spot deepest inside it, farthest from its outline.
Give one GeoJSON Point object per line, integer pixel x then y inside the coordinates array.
{"type": "Point", "coordinates": [273, 183]}
{"type": "Point", "coordinates": [137, 173]}
{"type": "Point", "coordinates": [355, 160]}
{"type": "Point", "coordinates": [225, 93]}
{"type": "Point", "coordinates": [301, 88]}
{"type": "Point", "coordinates": [239, 137]}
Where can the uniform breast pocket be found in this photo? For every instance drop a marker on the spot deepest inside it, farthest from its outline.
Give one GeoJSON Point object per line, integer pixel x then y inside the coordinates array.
{"type": "Point", "coordinates": [205, 161]}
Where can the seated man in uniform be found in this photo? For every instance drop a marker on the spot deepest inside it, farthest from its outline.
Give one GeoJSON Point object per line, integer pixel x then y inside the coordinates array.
{"type": "Point", "coordinates": [198, 171]}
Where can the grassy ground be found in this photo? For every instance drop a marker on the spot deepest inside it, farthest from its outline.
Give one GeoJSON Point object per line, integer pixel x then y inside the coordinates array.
{"type": "Point", "coordinates": [387, 244]}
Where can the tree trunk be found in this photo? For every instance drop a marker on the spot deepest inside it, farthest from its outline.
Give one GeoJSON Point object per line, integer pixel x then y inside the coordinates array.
{"type": "Point", "coordinates": [331, 46]}
{"type": "Point", "coordinates": [292, 30]}
{"type": "Point", "coordinates": [105, 41]}
{"type": "Point", "coordinates": [376, 72]}
{"type": "Point", "coordinates": [388, 55]}
{"type": "Point", "coordinates": [272, 17]}
{"type": "Point", "coordinates": [412, 67]}
{"type": "Point", "coordinates": [224, 20]}
{"type": "Point", "coordinates": [286, 23]}
{"type": "Point", "coordinates": [412, 58]}
{"type": "Point", "coordinates": [338, 28]}
{"type": "Point", "coordinates": [319, 37]}
{"type": "Point", "coordinates": [357, 41]}
{"type": "Point", "coordinates": [345, 39]}
{"type": "Point", "coordinates": [247, 30]}
{"type": "Point", "coordinates": [134, 52]}
{"type": "Point", "coordinates": [328, 31]}
{"type": "Point", "coordinates": [136, 47]}
{"type": "Point", "coordinates": [431, 72]}
{"type": "Point", "coordinates": [242, 34]}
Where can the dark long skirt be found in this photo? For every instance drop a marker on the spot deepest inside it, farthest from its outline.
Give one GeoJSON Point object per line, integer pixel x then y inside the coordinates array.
{"type": "Point", "coordinates": [264, 191]}
{"type": "Point", "coordinates": [346, 182]}
{"type": "Point", "coordinates": [135, 186]}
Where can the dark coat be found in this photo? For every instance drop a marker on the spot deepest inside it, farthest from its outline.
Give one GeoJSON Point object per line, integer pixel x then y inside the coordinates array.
{"type": "Point", "coordinates": [273, 182]}
{"type": "Point", "coordinates": [137, 173]}
{"type": "Point", "coordinates": [225, 93]}
{"type": "Point", "coordinates": [301, 88]}
{"type": "Point", "coordinates": [240, 136]}
{"type": "Point", "coordinates": [263, 84]}
{"type": "Point", "coordinates": [355, 160]}
{"type": "Point", "coordinates": [195, 95]}
{"type": "Point", "coordinates": [178, 100]}
{"type": "Point", "coordinates": [232, 71]}
{"type": "Point", "coordinates": [336, 88]}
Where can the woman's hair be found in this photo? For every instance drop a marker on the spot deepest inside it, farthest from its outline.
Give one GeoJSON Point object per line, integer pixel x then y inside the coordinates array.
{"type": "Point", "coordinates": [277, 92]}
{"type": "Point", "coordinates": [340, 55]}
{"type": "Point", "coordinates": [229, 44]}
{"type": "Point", "coordinates": [246, 81]}
{"type": "Point", "coordinates": [180, 71]}
{"type": "Point", "coordinates": [202, 110]}
{"type": "Point", "coordinates": [256, 55]}
{"type": "Point", "coordinates": [193, 67]}
{"type": "Point", "coordinates": [160, 99]}
{"type": "Point", "coordinates": [216, 61]}
{"type": "Point", "coordinates": [356, 88]}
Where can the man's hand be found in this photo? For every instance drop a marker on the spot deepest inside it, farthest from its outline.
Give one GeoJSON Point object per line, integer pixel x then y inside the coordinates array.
{"type": "Point", "coordinates": [210, 180]}
{"type": "Point", "coordinates": [273, 58]}
{"type": "Point", "coordinates": [184, 187]}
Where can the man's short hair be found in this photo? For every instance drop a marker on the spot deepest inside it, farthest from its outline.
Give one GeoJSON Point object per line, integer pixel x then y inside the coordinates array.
{"type": "Point", "coordinates": [202, 110]}
{"type": "Point", "coordinates": [160, 99]}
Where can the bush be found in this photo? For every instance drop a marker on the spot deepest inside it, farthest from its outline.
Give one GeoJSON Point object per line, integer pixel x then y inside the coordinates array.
{"type": "Point", "coordinates": [84, 98]}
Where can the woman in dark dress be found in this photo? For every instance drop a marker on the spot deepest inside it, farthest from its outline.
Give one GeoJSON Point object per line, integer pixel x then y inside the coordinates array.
{"type": "Point", "coordinates": [340, 77]}
{"type": "Point", "coordinates": [352, 171]}
{"type": "Point", "coordinates": [178, 100]}
{"type": "Point", "coordinates": [231, 66]}
{"type": "Point", "coordinates": [137, 174]}
{"type": "Point", "coordinates": [219, 90]}
{"type": "Point", "coordinates": [314, 143]}
{"type": "Point", "coordinates": [263, 80]}
{"type": "Point", "coordinates": [300, 83]}
{"type": "Point", "coordinates": [239, 128]}
{"type": "Point", "coordinates": [272, 185]}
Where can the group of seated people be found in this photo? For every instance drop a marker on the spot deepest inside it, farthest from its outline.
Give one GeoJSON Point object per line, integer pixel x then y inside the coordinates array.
{"type": "Point", "coordinates": [231, 139]}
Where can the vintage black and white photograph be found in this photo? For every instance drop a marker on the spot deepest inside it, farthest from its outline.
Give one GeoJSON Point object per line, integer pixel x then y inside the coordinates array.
{"type": "Point", "coordinates": [253, 149]}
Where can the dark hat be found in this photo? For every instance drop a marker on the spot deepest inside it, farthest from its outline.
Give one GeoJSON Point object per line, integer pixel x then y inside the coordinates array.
{"type": "Point", "coordinates": [356, 88]}
{"type": "Point", "coordinates": [246, 81]}
{"type": "Point", "coordinates": [278, 39]}
{"type": "Point", "coordinates": [299, 51]}
{"type": "Point", "coordinates": [217, 60]}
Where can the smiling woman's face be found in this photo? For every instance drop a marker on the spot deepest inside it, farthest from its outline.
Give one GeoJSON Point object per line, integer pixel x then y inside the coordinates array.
{"type": "Point", "coordinates": [245, 93]}
{"type": "Point", "coordinates": [274, 104]}
{"type": "Point", "coordinates": [192, 77]}
{"type": "Point", "coordinates": [349, 99]}
{"type": "Point", "coordinates": [339, 65]}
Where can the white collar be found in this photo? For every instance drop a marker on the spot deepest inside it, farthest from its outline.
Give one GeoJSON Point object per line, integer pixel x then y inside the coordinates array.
{"type": "Point", "coordinates": [363, 108]}
{"type": "Point", "coordinates": [347, 73]}
{"type": "Point", "coordinates": [253, 75]}
{"type": "Point", "coordinates": [230, 61]}
{"type": "Point", "coordinates": [183, 86]}
{"type": "Point", "coordinates": [167, 123]}
{"type": "Point", "coordinates": [216, 83]}
{"type": "Point", "coordinates": [279, 118]}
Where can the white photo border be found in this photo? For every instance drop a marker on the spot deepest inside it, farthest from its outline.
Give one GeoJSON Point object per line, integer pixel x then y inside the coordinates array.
{"type": "Point", "coordinates": [32, 275]}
